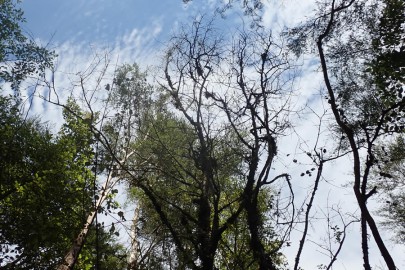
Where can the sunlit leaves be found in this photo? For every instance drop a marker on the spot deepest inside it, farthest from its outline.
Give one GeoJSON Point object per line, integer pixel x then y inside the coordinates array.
{"type": "Point", "coordinates": [45, 187]}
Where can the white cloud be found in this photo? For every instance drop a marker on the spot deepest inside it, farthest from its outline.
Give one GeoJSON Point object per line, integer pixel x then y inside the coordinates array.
{"type": "Point", "coordinates": [286, 13]}
{"type": "Point", "coordinates": [76, 59]}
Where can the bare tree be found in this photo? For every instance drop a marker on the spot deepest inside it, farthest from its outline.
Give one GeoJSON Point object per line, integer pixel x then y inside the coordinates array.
{"type": "Point", "coordinates": [246, 86]}
{"type": "Point", "coordinates": [111, 151]}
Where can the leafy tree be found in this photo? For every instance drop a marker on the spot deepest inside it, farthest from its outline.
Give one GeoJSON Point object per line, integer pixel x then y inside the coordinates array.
{"type": "Point", "coordinates": [19, 56]}
{"type": "Point", "coordinates": [362, 64]}
{"type": "Point", "coordinates": [46, 192]}
{"type": "Point", "coordinates": [387, 69]}
{"type": "Point", "coordinates": [248, 106]}
{"type": "Point", "coordinates": [102, 251]}
{"type": "Point", "coordinates": [114, 135]}
{"type": "Point", "coordinates": [173, 186]}
{"type": "Point", "coordinates": [391, 181]}
{"type": "Point", "coordinates": [44, 178]}
{"type": "Point", "coordinates": [46, 183]}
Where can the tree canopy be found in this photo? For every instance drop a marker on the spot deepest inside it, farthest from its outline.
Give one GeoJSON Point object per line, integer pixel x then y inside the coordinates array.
{"type": "Point", "coordinates": [198, 146]}
{"type": "Point", "coordinates": [20, 56]}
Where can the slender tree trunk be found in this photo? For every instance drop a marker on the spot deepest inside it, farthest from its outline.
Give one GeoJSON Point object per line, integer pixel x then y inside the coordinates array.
{"type": "Point", "coordinates": [306, 224]}
{"type": "Point", "coordinates": [133, 256]}
{"type": "Point", "coordinates": [364, 243]}
{"type": "Point", "coordinates": [356, 164]}
{"type": "Point", "coordinates": [70, 258]}
{"type": "Point", "coordinates": [375, 232]}
{"type": "Point", "coordinates": [361, 199]}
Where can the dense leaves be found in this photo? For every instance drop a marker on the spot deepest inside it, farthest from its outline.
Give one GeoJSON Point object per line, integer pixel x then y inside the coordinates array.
{"type": "Point", "coordinates": [390, 178]}
{"type": "Point", "coordinates": [44, 177]}
{"type": "Point", "coordinates": [388, 65]}
{"type": "Point", "coordinates": [172, 205]}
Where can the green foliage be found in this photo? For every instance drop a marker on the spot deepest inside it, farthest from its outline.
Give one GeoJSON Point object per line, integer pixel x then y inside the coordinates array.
{"type": "Point", "coordinates": [168, 166]}
{"type": "Point", "coordinates": [130, 96]}
{"type": "Point", "coordinates": [45, 188]}
{"type": "Point", "coordinates": [102, 245]}
{"type": "Point", "coordinates": [19, 56]}
{"type": "Point", "coordinates": [388, 65]}
{"type": "Point", "coordinates": [234, 251]}
{"type": "Point", "coordinates": [171, 176]}
{"type": "Point", "coordinates": [390, 179]}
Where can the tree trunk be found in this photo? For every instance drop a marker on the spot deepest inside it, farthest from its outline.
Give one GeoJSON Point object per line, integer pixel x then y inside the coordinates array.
{"type": "Point", "coordinates": [133, 256]}
{"type": "Point", "coordinates": [361, 199]}
{"type": "Point", "coordinates": [70, 258]}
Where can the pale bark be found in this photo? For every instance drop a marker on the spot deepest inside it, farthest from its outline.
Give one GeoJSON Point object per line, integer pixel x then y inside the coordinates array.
{"type": "Point", "coordinates": [133, 256]}
{"type": "Point", "coordinates": [70, 258]}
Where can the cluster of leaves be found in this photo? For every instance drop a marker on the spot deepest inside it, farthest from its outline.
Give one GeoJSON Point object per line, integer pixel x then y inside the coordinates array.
{"type": "Point", "coordinates": [388, 65]}
{"type": "Point", "coordinates": [43, 177]}
{"type": "Point", "coordinates": [390, 177]}
{"type": "Point", "coordinates": [102, 250]}
{"type": "Point", "coordinates": [46, 191]}
{"type": "Point", "coordinates": [172, 173]}
{"type": "Point", "coordinates": [20, 56]}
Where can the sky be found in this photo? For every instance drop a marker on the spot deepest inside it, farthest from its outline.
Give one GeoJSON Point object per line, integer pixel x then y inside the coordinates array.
{"type": "Point", "coordinates": [97, 21]}
{"type": "Point", "coordinates": [137, 31]}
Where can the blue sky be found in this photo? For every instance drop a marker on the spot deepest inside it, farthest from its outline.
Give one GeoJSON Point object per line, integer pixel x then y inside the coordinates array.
{"type": "Point", "coordinates": [105, 21]}
{"type": "Point", "coordinates": [136, 31]}
{"type": "Point", "coordinates": [97, 20]}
